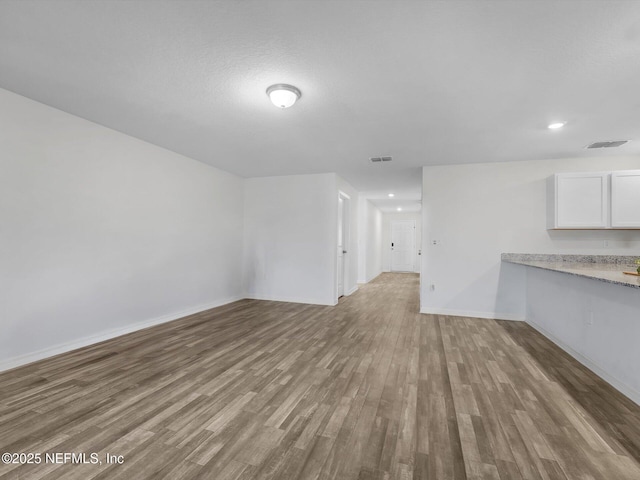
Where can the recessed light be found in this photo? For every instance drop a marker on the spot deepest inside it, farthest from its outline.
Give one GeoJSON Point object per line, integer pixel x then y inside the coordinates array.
{"type": "Point", "coordinates": [399, 209]}
{"type": "Point", "coordinates": [391, 195]}
{"type": "Point", "coordinates": [557, 125]}
{"type": "Point", "coordinates": [283, 95]}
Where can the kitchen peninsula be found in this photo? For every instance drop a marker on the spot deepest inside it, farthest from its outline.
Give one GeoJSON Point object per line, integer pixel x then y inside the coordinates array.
{"type": "Point", "coordinates": [590, 308]}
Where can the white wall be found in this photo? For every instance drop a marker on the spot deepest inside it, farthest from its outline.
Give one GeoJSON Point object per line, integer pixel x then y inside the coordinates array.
{"type": "Point", "coordinates": [479, 211]}
{"type": "Point", "coordinates": [387, 220]}
{"type": "Point", "coordinates": [351, 257]}
{"type": "Point", "coordinates": [370, 241]}
{"type": "Point", "coordinates": [102, 233]}
{"type": "Point", "coordinates": [290, 238]}
{"type": "Point", "coordinates": [562, 306]}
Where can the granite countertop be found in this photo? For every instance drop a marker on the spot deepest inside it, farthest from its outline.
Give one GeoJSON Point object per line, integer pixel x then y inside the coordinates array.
{"type": "Point", "coordinates": [606, 268]}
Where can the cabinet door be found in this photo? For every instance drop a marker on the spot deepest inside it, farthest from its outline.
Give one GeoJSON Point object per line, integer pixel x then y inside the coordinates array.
{"type": "Point", "coordinates": [581, 200]}
{"type": "Point", "coordinates": [625, 199]}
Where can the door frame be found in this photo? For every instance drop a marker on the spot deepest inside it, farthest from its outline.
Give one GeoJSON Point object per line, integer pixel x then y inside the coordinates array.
{"type": "Point", "coordinates": [346, 241]}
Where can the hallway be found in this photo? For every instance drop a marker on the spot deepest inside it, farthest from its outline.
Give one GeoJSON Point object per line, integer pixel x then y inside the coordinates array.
{"type": "Point", "coordinates": [369, 389]}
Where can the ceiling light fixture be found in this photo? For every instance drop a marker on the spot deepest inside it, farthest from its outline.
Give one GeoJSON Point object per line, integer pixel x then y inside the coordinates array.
{"type": "Point", "coordinates": [283, 95]}
{"type": "Point", "coordinates": [399, 209]}
{"type": "Point", "coordinates": [391, 195]}
{"type": "Point", "coordinates": [557, 125]}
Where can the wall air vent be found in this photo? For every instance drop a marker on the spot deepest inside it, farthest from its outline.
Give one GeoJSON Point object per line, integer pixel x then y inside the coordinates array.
{"type": "Point", "coordinates": [380, 159]}
{"type": "Point", "coordinates": [616, 143]}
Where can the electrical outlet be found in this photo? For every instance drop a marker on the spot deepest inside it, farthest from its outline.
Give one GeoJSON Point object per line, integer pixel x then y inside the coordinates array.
{"type": "Point", "coordinates": [606, 244]}
{"type": "Point", "coordinates": [432, 287]}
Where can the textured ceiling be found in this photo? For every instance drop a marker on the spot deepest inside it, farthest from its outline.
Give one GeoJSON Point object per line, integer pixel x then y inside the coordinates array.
{"type": "Point", "coordinates": [427, 82]}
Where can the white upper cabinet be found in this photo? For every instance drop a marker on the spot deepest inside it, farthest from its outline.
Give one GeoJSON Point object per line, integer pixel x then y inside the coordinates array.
{"type": "Point", "coordinates": [579, 200]}
{"type": "Point", "coordinates": [594, 200]}
{"type": "Point", "coordinates": [625, 199]}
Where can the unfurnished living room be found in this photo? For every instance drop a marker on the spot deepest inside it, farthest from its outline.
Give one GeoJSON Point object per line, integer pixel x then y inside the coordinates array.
{"type": "Point", "coordinates": [316, 239]}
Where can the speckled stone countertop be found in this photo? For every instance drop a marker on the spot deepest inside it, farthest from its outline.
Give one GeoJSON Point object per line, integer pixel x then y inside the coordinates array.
{"type": "Point", "coordinates": [606, 268]}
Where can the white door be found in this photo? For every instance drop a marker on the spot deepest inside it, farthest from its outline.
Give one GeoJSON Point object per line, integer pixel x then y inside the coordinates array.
{"type": "Point", "coordinates": [625, 199]}
{"type": "Point", "coordinates": [582, 200]}
{"type": "Point", "coordinates": [403, 242]}
{"type": "Point", "coordinates": [341, 248]}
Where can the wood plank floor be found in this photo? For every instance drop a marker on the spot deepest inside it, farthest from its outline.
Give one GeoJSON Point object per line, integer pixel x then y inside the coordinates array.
{"type": "Point", "coordinates": [370, 389]}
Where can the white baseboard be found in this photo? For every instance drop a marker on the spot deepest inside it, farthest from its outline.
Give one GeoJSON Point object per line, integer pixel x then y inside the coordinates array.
{"type": "Point", "coordinates": [352, 291]}
{"type": "Point", "coordinates": [623, 388]}
{"type": "Point", "coordinates": [275, 298]}
{"type": "Point", "coordinates": [106, 335]}
{"type": "Point", "coordinates": [374, 276]}
{"type": "Point", "coordinates": [403, 271]}
{"type": "Point", "coordinates": [474, 314]}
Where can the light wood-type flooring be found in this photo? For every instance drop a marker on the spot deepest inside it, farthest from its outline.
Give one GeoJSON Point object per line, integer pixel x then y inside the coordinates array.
{"type": "Point", "coordinates": [369, 389]}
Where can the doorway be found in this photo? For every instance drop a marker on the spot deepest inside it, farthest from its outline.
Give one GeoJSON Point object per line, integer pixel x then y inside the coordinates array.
{"type": "Point", "coordinates": [403, 245]}
{"type": "Point", "coordinates": [343, 242]}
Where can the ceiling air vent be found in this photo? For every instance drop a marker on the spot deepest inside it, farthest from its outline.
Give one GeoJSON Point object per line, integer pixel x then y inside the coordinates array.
{"type": "Point", "coordinates": [616, 143]}
{"type": "Point", "coordinates": [380, 159]}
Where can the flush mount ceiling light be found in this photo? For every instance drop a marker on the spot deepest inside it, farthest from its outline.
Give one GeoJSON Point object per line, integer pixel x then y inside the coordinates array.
{"type": "Point", "coordinates": [283, 95]}
{"type": "Point", "coordinates": [399, 209]}
{"type": "Point", "coordinates": [557, 125]}
{"type": "Point", "coordinates": [391, 195]}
